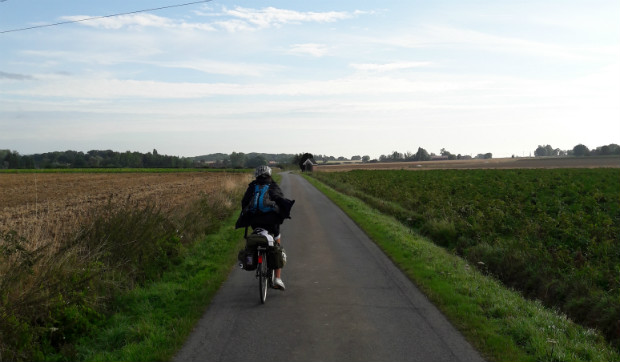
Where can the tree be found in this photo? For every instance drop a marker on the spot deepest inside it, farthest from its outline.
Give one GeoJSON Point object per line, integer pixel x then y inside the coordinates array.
{"type": "Point", "coordinates": [581, 150]}
{"type": "Point", "coordinates": [484, 156]}
{"type": "Point", "coordinates": [422, 155]}
{"type": "Point", "coordinates": [356, 158]}
{"type": "Point", "coordinates": [540, 151]}
{"type": "Point", "coordinates": [365, 158]}
{"type": "Point", "coordinates": [13, 159]}
{"type": "Point", "coordinates": [396, 156]}
{"type": "Point", "coordinates": [447, 153]}
{"type": "Point", "coordinates": [256, 161]}
{"type": "Point", "coordinates": [238, 159]}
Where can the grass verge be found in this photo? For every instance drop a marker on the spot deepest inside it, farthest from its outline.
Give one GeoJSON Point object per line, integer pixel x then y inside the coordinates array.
{"type": "Point", "coordinates": [152, 322]}
{"type": "Point", "coordinates": [498, 322]}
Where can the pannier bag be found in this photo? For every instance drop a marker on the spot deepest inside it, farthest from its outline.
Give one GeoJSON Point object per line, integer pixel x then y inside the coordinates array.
{"type": "Point", "coordinates": [248, 259]}
{"type": "Point", "coordinates": [276, 257]}
{"type": "Point", "coordinates": [259, 237]}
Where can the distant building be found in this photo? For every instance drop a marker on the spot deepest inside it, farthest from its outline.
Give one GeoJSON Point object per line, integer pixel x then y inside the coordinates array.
{"type": "Point", "coordinates": [308, 166]}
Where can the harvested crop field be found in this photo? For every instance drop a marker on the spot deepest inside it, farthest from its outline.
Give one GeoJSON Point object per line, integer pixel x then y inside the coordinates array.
{"type": "Point", "coordinates": [71, 242]}
{"type": "Point", "coordinates": [58, 200]}
{"type": "Point", "coordinates": [501, 163]}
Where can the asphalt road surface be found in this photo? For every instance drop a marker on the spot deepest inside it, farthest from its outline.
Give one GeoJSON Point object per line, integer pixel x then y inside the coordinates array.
{"type": "Point", "coordinates": [344, 301]}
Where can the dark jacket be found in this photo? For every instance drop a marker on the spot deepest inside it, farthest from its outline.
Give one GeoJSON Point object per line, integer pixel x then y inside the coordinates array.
{"type": "Point", "coordinates": [283, 209]}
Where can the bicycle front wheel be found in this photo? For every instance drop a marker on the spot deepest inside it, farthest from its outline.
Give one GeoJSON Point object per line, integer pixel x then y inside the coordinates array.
{"type": "Point", "coordinates": [263, 276]}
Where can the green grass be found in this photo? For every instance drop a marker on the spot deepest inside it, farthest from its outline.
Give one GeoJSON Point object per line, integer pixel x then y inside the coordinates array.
{"type": "Point", "coordinates": [499, 322]}
{"type": "Point", "coordinates": [152, 322]}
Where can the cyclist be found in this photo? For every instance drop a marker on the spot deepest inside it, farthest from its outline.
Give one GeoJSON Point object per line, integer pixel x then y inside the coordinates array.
{"type": "Point", "coordinates": [276, 208]}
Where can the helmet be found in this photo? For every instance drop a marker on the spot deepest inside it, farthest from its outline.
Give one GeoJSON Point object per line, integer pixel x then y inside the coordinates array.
{"type": "Point", "coordinates": [262, 171]}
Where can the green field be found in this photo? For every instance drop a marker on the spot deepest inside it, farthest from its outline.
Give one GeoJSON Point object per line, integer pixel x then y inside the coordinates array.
{"type": "Point", "coordinates": [551, 234]}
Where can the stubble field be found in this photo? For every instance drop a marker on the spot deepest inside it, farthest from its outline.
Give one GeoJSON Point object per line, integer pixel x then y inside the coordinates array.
{"type": "Point", "coordinates": [72, 242]}
{"type": "Point", "coordinates": [49, 203]}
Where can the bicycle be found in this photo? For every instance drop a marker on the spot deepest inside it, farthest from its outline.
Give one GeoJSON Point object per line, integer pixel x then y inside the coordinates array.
{"type": "Point", "coordinates": [264, 273]}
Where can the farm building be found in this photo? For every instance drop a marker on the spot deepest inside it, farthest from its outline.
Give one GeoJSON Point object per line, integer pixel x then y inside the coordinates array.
{"type": "Point", "coordinates": [308, 166]}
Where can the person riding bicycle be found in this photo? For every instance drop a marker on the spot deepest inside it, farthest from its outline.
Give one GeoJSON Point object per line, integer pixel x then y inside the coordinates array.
{"type": "Point", "coordinates": [272, 215]}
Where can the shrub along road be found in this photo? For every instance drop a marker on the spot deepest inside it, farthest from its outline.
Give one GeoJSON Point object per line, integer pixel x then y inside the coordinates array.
{"type": "Point", "coordinates": [345, 301]}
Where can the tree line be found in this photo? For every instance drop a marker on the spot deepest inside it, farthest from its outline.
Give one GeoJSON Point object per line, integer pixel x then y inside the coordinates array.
{"type": "Point", "coordinates": [112, 159]}
{"type": "Point", "coordinates": [91, 159]}
{"type": "Point", "coordinates": [579, 150]}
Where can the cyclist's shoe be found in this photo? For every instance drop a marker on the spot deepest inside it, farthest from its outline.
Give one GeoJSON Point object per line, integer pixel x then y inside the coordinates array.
{"type": "Point", "coordinates": [278, 284]}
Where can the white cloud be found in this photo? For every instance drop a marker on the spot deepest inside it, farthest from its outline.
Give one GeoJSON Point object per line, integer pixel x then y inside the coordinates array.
{"type": "Point", "coordinates": [273, 17]}
{"type": "Point", "coordinates": [117, 22]}
{"type": "Point", "coordinates": [315, 50]}
{"type": "Point", "coordinates": [216, 67]}
{"type": "Point", "coordinates": [435, 36]}
{"type": "Point", "coordinates": [389, 66]}
{"type": "Point", "coordinates": [239, 19]}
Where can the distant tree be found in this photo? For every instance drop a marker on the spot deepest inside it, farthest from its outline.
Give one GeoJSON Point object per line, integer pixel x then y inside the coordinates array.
{"type": "Point", "coordinates": [356, 158]}
{"type": "Point", "coordinates": [422, 155]}
{"type": "Point", "coordinates": [396, 156]}
{"type": "Point", "coordinates": [365, 158]}
{"type": "Point", "coordinates": [256, 161]}
{"type": "Point", "coordinates": [581, 150]}
{"type": "Point", "coordinates": [611, 149]}
{"type": "Point", "coordinates": [12, 159]}
{"type": "Point", "coordinates": [542, 151]}
{"type": "Point", "coordinates": [238, 159]}
{"type": "Point", "coordinates": [302, 158]}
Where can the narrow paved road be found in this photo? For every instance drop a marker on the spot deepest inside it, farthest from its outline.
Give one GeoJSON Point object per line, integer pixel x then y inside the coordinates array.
{"type": "Point", "coordinates": [345, 301]}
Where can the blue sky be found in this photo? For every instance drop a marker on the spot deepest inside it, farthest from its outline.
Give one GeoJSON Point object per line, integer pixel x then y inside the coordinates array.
{"type": "Point", "coordinates": [338, 78]}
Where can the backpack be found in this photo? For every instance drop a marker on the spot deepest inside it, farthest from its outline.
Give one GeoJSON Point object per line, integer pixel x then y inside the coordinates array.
{"type": "Point", "coordinates": [261, 202]}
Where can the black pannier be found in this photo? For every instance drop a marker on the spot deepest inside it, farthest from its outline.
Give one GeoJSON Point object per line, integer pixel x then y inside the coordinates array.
{"type": "Point", "coordinates": [248, 259]}
{"type": "Point", "coordinates": [276, 257]}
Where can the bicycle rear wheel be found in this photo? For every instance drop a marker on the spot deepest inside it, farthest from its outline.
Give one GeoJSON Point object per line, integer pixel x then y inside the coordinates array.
{"type": "Point", "coordinates": [263, 275]}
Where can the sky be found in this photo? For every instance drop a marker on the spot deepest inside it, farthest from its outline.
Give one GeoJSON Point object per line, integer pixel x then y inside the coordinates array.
{"type": "Point", "coordinates": [338, 78]}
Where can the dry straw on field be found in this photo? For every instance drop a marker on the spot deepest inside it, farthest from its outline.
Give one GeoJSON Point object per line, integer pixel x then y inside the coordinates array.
{"type": "Point", "coordinates": [45, 207]}
{"type": "Point", "coordinates": [69, 241]}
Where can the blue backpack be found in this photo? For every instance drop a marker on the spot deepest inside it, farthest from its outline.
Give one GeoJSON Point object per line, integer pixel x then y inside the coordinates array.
{"type": "Point", "coordinates": [261, 202]}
